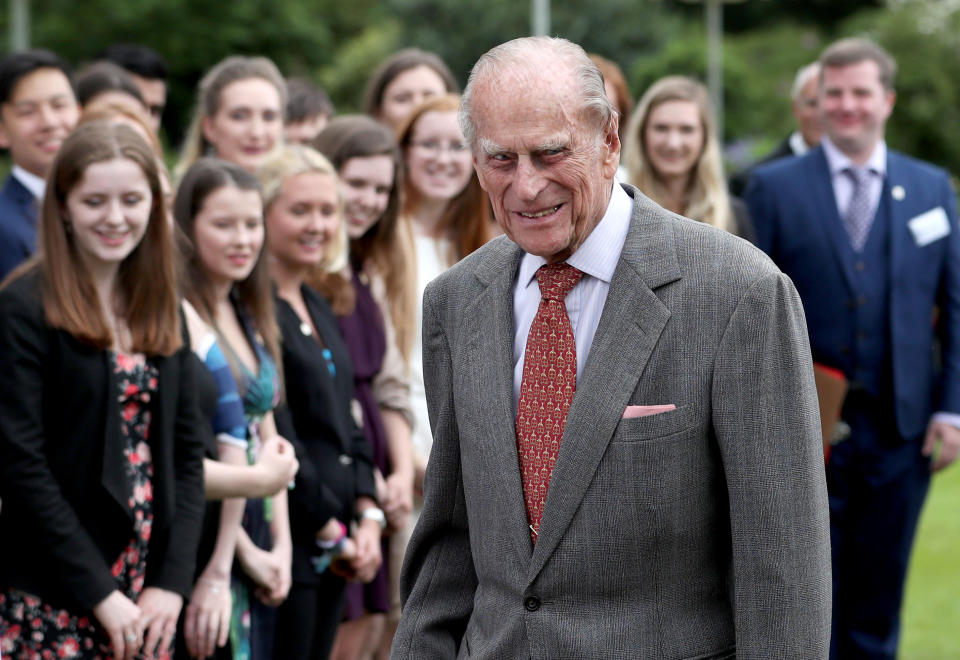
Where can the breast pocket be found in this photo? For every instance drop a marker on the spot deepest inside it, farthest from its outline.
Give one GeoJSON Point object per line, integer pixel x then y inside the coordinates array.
{"type": "Point", "coordinates": [660, 425]}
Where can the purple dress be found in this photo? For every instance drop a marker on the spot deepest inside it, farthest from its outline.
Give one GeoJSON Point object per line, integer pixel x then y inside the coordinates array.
{"type": "Point", "coordinates": [366, 342]}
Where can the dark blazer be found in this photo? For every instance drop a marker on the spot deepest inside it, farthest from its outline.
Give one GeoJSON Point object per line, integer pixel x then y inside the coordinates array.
{"type": "Point", "coordinates": [336, 464]}
{"type": "Point", "coordinates": [701, 532]}
{"type": "Point", "coordinates": [62, 475]}
{"type": "Point", "coordinates": [797, 224]}
{"type": "Point", "coordinates": [18, 225]}
{"type": "Point", "coordinates": [739, 181]}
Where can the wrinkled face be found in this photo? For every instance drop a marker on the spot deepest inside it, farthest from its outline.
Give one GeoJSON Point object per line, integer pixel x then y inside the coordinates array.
{"type": "Point", "coordinates": [438, 160]}
{"type": "Point", "coordinates": [367, 182]}
{"type": "Point", "coordinates": [248, 123]}
{"type": "Point", "coordinates": [228, 234]}
{"type": "Point", "coordinates": [38, 116]}
{"type": "Point", "coordinates": [154, 92]}
{"type": "Point", "coordinates": [805, 111]}
{"type": "Point", "coordinates": [548, 172]}
{"type": "Point", "coordinates": [408, 90]}
{"type": "Point", "coordinates": [303, 219]}
{"type": "Point", "coordinates": [674, 139]}
{"type": "Point", "coordinates": [108, 212]}
{"type": "Point", "coordinates": [302, 132]}
{"type": "Point", "coordinates": [855, 107]}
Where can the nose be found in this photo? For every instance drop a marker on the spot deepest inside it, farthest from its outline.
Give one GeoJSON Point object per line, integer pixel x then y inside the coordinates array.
{"type": "Point", "coordinates": [257, 126]}
{"type": "Point", "coordinates": [115, 212]}
{"type": "Point", "coordinates": [47, 115]}
{"type": "Point", "coordinates": [528, 182]}
{"type": "Point", "coordinates": [673, 139]}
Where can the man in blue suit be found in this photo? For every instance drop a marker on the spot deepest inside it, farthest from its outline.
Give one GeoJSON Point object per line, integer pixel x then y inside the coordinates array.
{"type": "Point", "coordinates": [38, 109]}
{"type": "Point", "coordinates": [870, 238]}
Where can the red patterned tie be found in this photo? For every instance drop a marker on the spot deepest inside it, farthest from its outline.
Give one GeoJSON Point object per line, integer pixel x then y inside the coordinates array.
{"type": "Point", "coordinates": [546, 390]}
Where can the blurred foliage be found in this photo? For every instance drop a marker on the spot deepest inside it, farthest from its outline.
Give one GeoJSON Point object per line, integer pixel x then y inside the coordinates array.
{"type": "Point", "coordinates": [339, 42]}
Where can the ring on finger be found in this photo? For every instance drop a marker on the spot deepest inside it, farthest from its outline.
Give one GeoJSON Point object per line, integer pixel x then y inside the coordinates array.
{"type": "Point", "coordinates": [130, 637]}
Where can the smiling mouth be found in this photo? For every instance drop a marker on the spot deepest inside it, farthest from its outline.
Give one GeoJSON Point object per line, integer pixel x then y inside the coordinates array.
{"type": "Point", "coordinates": [541, 214]}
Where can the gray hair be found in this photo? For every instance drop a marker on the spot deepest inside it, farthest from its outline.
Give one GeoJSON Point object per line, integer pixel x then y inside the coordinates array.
{"type": "Point", "coordinates": [804, 75]}
{"type": "Point", "coordinates": [522, 54]}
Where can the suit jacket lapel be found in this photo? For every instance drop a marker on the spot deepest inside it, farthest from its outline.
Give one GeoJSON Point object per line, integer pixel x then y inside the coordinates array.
{"type": "Point", "coordinates": [630, 326]}
{"type": "Point", "coordinates": [490, 347]}
{"type": "Point", "coordinates": [900, 236]}
{"type": "Point", "coordinates": [826, 210]}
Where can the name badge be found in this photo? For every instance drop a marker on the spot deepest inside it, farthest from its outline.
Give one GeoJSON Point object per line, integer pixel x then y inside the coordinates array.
{"type": "Point", "coordinates": [930, 226]}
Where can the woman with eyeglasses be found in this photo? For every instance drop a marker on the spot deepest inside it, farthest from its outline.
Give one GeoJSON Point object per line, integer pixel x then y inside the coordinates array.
{"type": "Point", "coordinates": [448, 214]}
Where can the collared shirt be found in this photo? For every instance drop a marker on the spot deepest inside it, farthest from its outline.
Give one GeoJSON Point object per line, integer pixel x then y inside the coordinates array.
{"type": "Point", "coordinates": [837, 161]}
{"type": "Point", "coordinates": [35, 184]}
{"type": "Point", "coordinates": [797, 144]}
{"type": "Point", "coordinates": [597, 257]}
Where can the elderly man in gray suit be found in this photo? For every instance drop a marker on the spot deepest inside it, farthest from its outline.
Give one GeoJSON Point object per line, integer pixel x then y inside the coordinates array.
{"type": "Point", "coordinates": [627, 458]}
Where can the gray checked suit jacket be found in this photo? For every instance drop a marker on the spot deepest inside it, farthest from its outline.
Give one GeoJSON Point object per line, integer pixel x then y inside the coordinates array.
{"type": "Point", "coordinates": [696, 533]}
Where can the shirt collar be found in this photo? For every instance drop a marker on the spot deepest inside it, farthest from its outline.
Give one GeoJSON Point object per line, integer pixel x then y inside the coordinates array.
{"type": "Point", "coordinates": [837, 161]}
{"type": "Point", "coordinates": [797, 144]}
{"type": "Point", "coordinates": [35, 184]}
{"type": "Point", "coordinates": [600, 251]}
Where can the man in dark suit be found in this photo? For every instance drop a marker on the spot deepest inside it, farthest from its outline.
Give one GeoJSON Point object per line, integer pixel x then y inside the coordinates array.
{"type": "Point", "coordinates": [38, 109]}
{"type": "Point", "coordinates": [803, 102]}
{"type": "Point", "coordinates": [870, 238]}
{"type": "Point", "coordinates": [626, 458]}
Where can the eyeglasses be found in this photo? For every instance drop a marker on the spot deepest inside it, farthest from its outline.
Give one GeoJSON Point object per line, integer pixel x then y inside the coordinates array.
{"type": "Point", "coordinates": [437, 147]}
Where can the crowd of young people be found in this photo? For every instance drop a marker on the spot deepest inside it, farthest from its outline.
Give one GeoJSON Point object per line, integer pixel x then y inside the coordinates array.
{"type": "Point", "coordinates": [213, 426]}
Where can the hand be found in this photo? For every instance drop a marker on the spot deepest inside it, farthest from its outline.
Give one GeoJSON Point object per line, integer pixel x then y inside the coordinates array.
{"type": "Point", "coordinates": [942, 442]}
{"type": "Point", "coordinates": [262, 567]}
{"type": "Point", "coordinates": [207, 621]}
{"type": "Point", "coordinates": [278, 465]}
{"type": "Point", "coordinates": [276, 595]}
{"type": "Point", "coordinates": [161, 609]}
{"type": "Point", "coordinates": [122, 621]}
{"type": "Point", "coordinates": [419, 472]}
{"type": "Point", "coordinates": [398, 503]}
{"type": "Point", "coordinates": [367, 562]}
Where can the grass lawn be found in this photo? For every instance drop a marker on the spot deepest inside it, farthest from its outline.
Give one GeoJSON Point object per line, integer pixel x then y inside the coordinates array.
{"type": "Point", "coordinates": [931, 617]}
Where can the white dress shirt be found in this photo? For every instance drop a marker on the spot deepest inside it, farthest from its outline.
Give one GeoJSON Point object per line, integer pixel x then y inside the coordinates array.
{"type": "Point", "coordinates": [35, 184]}
{"type": "Point", "coordinates": [597, 258]}
{"type": "Point", "coordinates": [837, 161]}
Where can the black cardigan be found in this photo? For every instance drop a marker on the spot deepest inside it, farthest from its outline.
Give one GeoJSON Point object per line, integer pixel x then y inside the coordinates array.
{"type": "Point", "coordinates": [336, 464]}
{"type": "Point", "coordinates": [62, 479]}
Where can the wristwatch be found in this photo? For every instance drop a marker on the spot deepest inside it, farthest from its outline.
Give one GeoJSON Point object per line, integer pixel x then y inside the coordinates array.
{"type": "Point", "coordinates": [373, 513]}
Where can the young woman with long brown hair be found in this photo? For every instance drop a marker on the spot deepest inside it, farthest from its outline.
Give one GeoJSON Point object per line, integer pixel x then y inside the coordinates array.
{"type": "Point", "coordinates": [100, 456]}
{"type": "Point", "coordinates": [378, 333]}
{"type": "Point", "coordinates": [449, 215]}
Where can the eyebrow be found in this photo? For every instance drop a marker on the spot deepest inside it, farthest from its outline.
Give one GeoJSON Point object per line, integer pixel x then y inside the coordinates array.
{"type": "Point", "coordinates": [491, 148]}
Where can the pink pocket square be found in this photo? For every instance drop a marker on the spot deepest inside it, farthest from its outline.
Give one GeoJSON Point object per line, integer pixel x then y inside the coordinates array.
{"type": "Point", "coordinates": [646, 411]}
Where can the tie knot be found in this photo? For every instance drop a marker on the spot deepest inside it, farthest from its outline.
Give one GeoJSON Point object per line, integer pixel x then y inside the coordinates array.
{"type": "Point", "coordinates": [556, 280]}
{"type": "Point", "coordinates": [860, 175]}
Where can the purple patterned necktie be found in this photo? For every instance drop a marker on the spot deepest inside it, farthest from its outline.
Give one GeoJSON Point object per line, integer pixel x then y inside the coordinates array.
{"type": "Point", "coordinates": [860, 213]}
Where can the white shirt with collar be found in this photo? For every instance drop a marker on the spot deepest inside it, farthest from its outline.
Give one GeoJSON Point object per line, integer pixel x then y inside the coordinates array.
{"type": "Point", "coordinates": [797, 144]}
{"type": "Point", "coordinates": [35, 184]}
{"type": "Point", "coordinates": [597, 257]}
{"type": "Point", "coordinates": [837, 161]}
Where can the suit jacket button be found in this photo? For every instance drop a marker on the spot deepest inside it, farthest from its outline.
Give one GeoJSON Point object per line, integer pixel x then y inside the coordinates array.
{"type": "Point", "coordinates": [532, 603]}
{"type": "Point", "coordinates": [345, 460]}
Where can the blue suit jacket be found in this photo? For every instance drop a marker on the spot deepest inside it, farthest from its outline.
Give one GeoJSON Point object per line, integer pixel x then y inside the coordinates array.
{"type": "Point", "coordinates": [797, 224]}
{"type": "Point", "coordinates": [18, 225]}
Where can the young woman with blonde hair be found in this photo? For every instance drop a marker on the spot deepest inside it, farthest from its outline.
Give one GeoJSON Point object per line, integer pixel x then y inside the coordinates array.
{"type": "Point", "coordinates": [672, 154]}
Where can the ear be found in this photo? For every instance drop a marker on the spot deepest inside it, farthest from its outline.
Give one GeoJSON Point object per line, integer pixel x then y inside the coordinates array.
{"type": "Point", "coordinates": [4, 135]}
{"type": "Point", "coordinates": [206, 129]}
{"type": "Point", "coordinates": [610, 148]}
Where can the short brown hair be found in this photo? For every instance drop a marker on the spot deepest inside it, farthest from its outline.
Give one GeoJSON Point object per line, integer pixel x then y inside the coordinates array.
{"type": "Point", "coordinates": [146, 276]}
{"type": "Point", "coordinates": [855, 50]}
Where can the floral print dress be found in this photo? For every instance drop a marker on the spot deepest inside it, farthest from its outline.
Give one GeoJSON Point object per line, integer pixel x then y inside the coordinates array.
{"type": "Point", "coordinates": [31, 629]}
